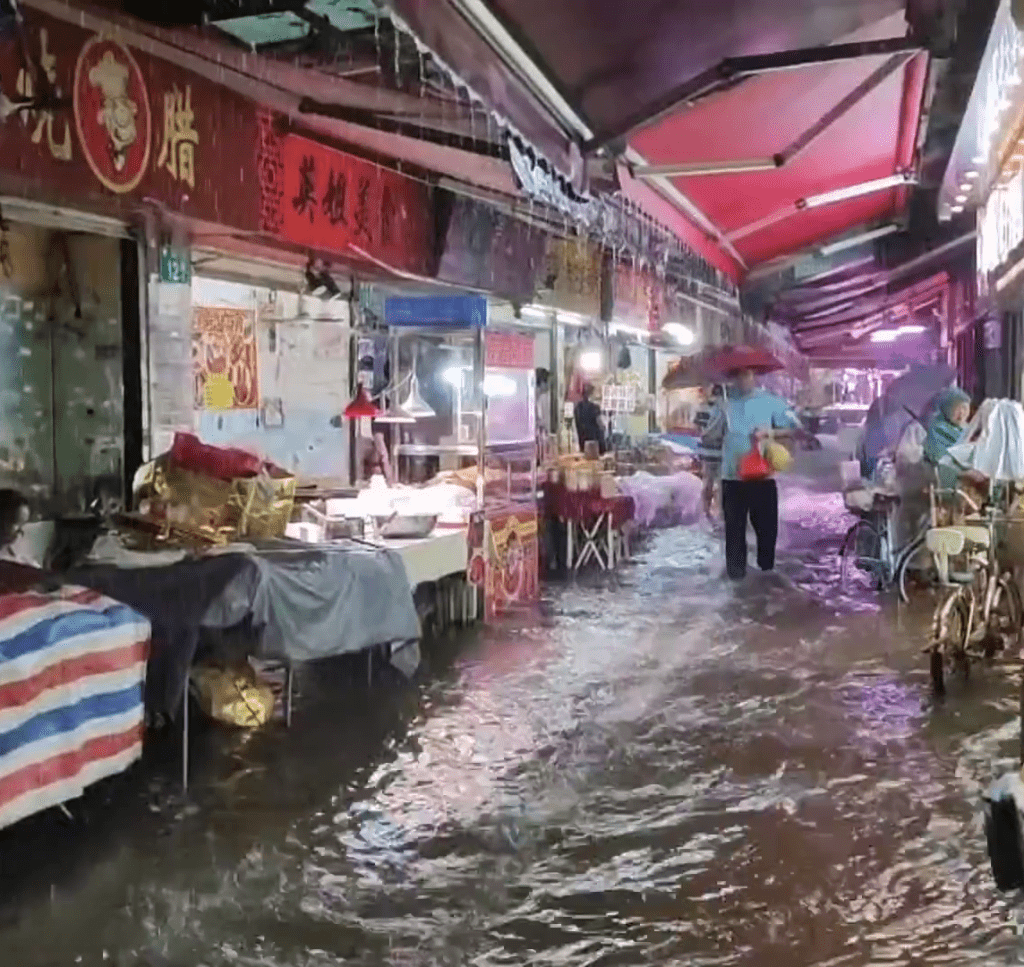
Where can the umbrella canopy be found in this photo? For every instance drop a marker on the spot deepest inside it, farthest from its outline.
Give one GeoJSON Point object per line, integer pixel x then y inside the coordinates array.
{"type": "Point", "coordinates": [689, 372]}
{"type": "Point", "coordinates": [731, 359]}
{"type": "Point", "coordinates": [906, 399]}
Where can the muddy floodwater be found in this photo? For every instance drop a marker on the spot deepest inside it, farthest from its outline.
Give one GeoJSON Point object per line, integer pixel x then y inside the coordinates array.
{"type": "Point", "coordinates": [651, 768]}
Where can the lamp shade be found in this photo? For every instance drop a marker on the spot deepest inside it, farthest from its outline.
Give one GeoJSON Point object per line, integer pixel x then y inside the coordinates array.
{"type": "Point", "coordinates": [360, 406]}
{"type": "Point", "coordinates": [414, 404]}
{"type": "Point", "coordinates": [395, 414]}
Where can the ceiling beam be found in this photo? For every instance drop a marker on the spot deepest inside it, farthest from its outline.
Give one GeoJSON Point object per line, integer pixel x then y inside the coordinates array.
{"type": "Point", "coordinates": [905, 295]}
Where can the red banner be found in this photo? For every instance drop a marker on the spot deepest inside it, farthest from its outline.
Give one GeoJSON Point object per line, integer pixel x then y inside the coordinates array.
{"type": "Point", "coordinates": [115, 121]}
{"type": "Point", "coordinates": [508, 350]}
{"type": "Point", "coordinates": [326, 199]}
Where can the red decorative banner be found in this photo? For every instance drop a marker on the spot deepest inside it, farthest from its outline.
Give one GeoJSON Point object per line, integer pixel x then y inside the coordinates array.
{"type": "Point", "coordinates": [317, 196]}
{"type": "Point", "coordinates": [115, 121]}
{"type": "Point", "coordinates": [513, 561]}
{"type": "Point", "coordinates": [224, 359]}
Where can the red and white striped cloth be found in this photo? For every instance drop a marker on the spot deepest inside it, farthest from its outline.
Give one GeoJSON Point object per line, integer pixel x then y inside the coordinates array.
{"type": "Point", "coordinates": [72, 673]}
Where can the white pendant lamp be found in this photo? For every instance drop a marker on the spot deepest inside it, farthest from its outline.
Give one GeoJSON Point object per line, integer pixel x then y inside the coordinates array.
{"type": "Point", "coordinates": [415, 405]}
{"type": "Point", "coordinates": [394, 414]}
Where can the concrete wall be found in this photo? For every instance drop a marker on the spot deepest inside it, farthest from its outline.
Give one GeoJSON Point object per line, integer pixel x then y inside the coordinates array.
{"type": "Point", "coordinates": [303, 375]}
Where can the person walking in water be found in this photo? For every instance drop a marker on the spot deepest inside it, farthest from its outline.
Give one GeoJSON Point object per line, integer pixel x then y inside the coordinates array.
{"type": "Point", "coordinates": [752, 415]}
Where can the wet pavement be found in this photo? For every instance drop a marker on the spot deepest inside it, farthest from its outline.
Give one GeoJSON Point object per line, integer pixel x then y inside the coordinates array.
{"type": "Point", "coordinates": [651, 768]}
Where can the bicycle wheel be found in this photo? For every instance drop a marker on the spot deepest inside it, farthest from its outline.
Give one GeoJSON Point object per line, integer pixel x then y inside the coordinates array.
{"type": "Point", "coordinates": [860, 559]}
{"type": "Point", "coordinates": [1003, 628]}
{"type": "Point", "coordinates": [951, 630]}
{"type": "Point", "coordinates": [907, 557]}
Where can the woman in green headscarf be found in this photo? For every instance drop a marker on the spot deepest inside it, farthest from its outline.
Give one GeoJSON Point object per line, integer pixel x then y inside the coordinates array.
{"type": "Point", "coordinates": [953, 410]}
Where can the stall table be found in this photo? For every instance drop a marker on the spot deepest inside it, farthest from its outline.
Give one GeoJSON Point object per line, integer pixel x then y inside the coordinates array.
{"type": "Point", "coordinates": [440, 559]}
{"type": "Point", "coordinates": [595, 525]}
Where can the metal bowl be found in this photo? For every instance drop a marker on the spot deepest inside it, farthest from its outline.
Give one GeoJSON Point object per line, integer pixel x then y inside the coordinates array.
{"type": "Point", "coordinates": [406, 526]}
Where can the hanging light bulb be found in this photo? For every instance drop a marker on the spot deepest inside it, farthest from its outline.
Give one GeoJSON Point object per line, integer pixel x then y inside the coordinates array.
{"type": "Point", "coordinates": [414, 404]}
{"type": "Point", "coordinates": [360, 406]}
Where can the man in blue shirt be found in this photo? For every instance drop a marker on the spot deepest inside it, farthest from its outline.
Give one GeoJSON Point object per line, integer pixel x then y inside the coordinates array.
{"type": "Point", "coordinates": [751, 415]}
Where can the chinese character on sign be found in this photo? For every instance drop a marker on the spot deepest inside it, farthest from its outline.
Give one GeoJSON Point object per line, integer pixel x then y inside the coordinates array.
{"type": "Point", "coordinates": [178, 152]}
{"type": "Point", "coordinates": [387, 216]}
{"type": "Point", "coordinates": [44, 120]}
{"type": "Point", "coordinates": [304, 201]}
{"type": "Point", "coordinates": [362, 212]}
{"type": "Point", "coordinates": [6, 262]}
{"type": "Point", "coordinates": [335, 197]}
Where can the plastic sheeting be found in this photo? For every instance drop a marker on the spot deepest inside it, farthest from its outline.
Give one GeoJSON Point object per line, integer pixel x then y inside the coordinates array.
{"type": "Point", "coordinates": [680, 494]}
{"type": "Point", "coordinates": [993, 443]}
{"type": "Point", "coordinates": [309, 602]}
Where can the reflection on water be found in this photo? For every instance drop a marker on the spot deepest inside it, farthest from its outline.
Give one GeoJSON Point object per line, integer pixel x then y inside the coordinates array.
{"type": "Point", "coordinates": [654, 768]}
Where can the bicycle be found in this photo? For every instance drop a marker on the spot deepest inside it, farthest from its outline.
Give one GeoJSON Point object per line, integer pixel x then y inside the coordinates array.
{"type": "Point", "coordinates": [869, 550]}
{"type": "Point", "coordinates": [982, 613]}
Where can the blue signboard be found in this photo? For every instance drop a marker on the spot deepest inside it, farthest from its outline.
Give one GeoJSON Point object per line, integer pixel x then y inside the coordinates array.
{"type": "Point", "coordinates": [439, 311]}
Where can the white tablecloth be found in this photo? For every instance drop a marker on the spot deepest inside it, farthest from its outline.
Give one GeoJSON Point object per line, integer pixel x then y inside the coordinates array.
{"type": "Point", "coordinates": [444, 553]}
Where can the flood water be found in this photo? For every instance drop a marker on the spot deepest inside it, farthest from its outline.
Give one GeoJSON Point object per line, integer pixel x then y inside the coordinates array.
{"type": "Point", "coordinates": [652, 768]}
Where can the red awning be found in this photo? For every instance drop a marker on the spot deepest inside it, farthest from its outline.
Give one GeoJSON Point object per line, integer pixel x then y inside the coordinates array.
{"type": "Point", "coordinates": [875, 105]}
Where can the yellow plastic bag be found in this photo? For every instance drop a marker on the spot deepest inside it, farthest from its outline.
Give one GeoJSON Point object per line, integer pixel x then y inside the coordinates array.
{"type": "Point", "coordinates": [778, 457]}
{"type": "Point", "coordinates": [234, 696]}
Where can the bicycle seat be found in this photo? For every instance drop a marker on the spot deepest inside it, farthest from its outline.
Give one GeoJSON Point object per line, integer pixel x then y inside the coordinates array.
{"type": "Point", "coordinates": [947, 542]}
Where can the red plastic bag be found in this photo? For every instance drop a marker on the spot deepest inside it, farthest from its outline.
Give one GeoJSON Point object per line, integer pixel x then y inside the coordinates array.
{"type": "Point", "coordinates": [224, 463]}
{"type": "Point", "coordinates": [753, 465]}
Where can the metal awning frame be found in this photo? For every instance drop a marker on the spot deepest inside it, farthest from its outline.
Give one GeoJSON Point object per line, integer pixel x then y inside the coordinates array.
{"type": "Point", "coordinates": [732, 69]}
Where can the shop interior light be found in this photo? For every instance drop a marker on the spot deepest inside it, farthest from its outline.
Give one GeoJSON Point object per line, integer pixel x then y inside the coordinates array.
{"type": "Point", "coordinates": [957, 209]}
{"type": "Point", "coordinates": [535, 312]}
{"type": "Point", "coordinates": [858, 191]}
{"type": "Point", "coordinates": [497, 385]}
{"type": "Point", "coordinates": [572, 319]}
{"type": "Point", "coordinates": [885, 335]}
{"type": "Point", "coordinates": [844, 243]}
{"type": "Point", "coordinates": [683, 335]}
{"type": "Point", "coordinates": [414, 404]}
{"type": "Point", "coordinates": [361, 406]}
{"type": "Point", "coordinates": [454, 376]}
{"type": "Point", "coordinates": [971, 176]}
{"type": "Point", "coordinates": [591, 361]}
{"type": "Point", "coordinates": [914, 330]}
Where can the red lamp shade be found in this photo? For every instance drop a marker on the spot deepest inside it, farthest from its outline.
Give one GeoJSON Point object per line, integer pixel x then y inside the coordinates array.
{"type": "Point", "coordinates": [360, 406]}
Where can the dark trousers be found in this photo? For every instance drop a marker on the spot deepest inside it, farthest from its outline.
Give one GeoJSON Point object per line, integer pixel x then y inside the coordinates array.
{"type": "Point", "coordinates": [757, 500]}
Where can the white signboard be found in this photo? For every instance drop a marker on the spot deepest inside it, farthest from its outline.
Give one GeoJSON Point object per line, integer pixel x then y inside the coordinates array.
{"type": "Point", "coordinates": [1000, 227]}
{"type": "Point", "coordinates": [1001, 77]}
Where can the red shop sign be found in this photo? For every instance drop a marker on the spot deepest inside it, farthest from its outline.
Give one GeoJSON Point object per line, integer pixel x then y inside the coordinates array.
{"type": "Point", "coordinates": [130, 126]}
{"type": "Point", "coordinates": [326, 199]}
{"type": "Point", "coordinates": [507, 350]}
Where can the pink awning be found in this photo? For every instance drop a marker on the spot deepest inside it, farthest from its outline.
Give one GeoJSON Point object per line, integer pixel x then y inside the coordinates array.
{"type": "Point", "coordinates": [876, 104]}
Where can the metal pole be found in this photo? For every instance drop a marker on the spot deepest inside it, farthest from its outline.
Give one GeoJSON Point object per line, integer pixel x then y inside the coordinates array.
{"type": "Point", "coordinates": [184, 736]}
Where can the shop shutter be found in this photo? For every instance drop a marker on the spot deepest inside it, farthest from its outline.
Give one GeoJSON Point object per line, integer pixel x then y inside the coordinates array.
{"type": "Point", "coordinates": [54, 218]}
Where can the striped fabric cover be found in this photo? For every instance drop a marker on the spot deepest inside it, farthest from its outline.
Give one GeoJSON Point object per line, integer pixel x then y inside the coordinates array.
{"type": "Point", "coordinates": [72, 670]}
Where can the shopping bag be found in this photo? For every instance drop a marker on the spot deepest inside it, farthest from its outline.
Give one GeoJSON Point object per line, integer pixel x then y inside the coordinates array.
{"type": "Point", "coordinates": [778, 457]}
{"type": "Point", "coordinates": [753, 465]}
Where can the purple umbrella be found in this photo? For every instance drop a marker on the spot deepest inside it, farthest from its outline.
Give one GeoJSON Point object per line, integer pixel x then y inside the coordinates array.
{"type": "Point", "coordinates": [905, 400]}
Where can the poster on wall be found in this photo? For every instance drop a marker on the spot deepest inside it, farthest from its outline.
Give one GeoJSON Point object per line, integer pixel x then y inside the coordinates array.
{"type": "Point", "coordinates": [224, 359]}
{"type": "Point", "coordinates": [513, 562]}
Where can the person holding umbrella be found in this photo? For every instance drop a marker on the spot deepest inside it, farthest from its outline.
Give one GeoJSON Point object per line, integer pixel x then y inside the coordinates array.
{"type": "Point", "coordinates": [752, 416]}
